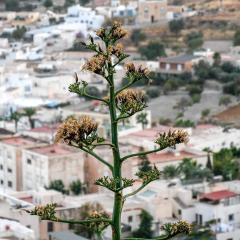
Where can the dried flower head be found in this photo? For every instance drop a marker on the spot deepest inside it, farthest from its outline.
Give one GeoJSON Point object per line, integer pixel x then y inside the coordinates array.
{"type": "Point", "coordinates": [130, 101]}
{"type": "Point", "coordinates": [101, 33]}
{"type": "Point", "coordinates": [172, 138]}
{"type": "Point", "coordinates": [137, 72]}
{"type": "Point", "coordinates": [95, 64]}
{"type": "Point", "coordinates": [177, 228]}
{"type": "Point", "coordinates": [117, 31]}
{"type": "Point", "coordinates": [82, 131]}
{"type": "Point", "coordinates": [98, 226]}
{"type": "Point", "coordinates": [44, 212]}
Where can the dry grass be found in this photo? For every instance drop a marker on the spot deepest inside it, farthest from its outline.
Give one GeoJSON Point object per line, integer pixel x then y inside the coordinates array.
{"type": "Point", "coordinates": [230, 116]}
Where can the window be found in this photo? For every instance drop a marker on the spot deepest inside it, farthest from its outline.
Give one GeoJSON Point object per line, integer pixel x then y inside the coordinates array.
{"type": "Point", "coordinates": [231, 217]}
{"type": "Point", "coordinates": [2, 182]}
{"type": "Point", "coordinates": [130, 219]}
{"type": "Point", "coordinates": [29, 161]}
{"type": "Point", "coordinates": [50, 227]}
{"type": "Point", "coordinates": [9, 170]}
{"type": "Point", "coordinates": [1, 167]}
{"type": "Point", "coordinates": [179, 212]}
{"type": "Point", "coordinates": [9, 184]}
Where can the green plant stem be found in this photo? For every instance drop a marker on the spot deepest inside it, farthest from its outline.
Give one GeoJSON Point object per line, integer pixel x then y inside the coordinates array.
{"type": "Point", "coordinates": [94, 98]}
{"type": "Point", "coordinates": [98, 158]}
{"type": "Point", "coordinates": [81, 222]}
{"type": "Point", "coordinates": [89, 151]}
{"type": "Point", "coordinates": [118, 199]}
{"type": "Point", "coordinates": [136, 191]}
{"type": "Point", "coordinates": [141, 153]}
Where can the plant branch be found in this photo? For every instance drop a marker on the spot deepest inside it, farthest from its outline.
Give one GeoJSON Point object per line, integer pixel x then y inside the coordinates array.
{"type": "Point", "coordinates": [82, 222]}
{"type": "Point", "coordinates": [89, 151]}
{"type": "Point", "coordinates": [97, 157]}
{"type": "Point", "coordinates": [136, 191]}
{"type": "Point", "coordinates": [94, 97]}
{"type": "Point", "coordinates": [124, 87]}
{"type": "Point", "coordinates": [141, 153]}
{"type": "Point", "coordinates": [103, 144]}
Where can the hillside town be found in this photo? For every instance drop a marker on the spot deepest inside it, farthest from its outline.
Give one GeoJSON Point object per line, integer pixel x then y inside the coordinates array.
{"type": "Point", "coordinates": [192, 50]}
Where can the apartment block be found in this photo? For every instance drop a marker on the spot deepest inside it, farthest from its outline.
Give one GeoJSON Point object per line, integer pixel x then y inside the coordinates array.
{"type": "Point", "coordinates": [44, 164]}
{"type": "Point", "coordinates": [11, 161]}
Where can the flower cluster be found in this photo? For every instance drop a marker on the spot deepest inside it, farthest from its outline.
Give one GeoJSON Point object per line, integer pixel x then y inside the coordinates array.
{"type": "Point", "coordinates": [82, 131]}
{"type": "Point", "coordinates": [95, 64]}
{"type": "Point", "coordinates": [116, 50]}
{"type": "Point", "coordinates": [101, 32]}
{"type": "Point", "coordinates": [117, 31]}
{"type": "Point", "coordinates": [113, 183]}
{"type": "Point", "coordinates": [136, 73]}
{"type": "Point", "coordinates": [98, 226]}
{"type": "Point", "coordinates": [172, 138]}
{"type": "Point", "coordinates": [44, 212]}
{"type": "Point", "coordinates": [177, 228]}
{"type": "Point", "coordinates": [130, 101]}
{"type": "Point", "coordinates": [149, 176]}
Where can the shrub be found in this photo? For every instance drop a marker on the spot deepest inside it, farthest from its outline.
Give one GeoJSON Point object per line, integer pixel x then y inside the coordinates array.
{"type": "Point", "coordinates": [153, 92]}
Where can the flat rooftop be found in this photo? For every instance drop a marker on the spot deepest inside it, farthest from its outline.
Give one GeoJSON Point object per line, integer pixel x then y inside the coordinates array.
{"type": "Point", "coordinates": [168, 156]}
{"type": "Point", "coordinates": [54, 150]}
{"type": "Point", "coordinates": [20, 141]}
{"type": "Point", "coordinates": [179, 59]}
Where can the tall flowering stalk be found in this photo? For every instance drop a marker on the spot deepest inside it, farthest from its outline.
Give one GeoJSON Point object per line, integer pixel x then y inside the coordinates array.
{"type": "Point", "coordinates": [82, 133]}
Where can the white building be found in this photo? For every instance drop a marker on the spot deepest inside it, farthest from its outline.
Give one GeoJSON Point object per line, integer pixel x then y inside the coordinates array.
{"type": "Point", "coordinates": [214, 137]}
{"type": "Point", "coordinates": [11, 161]}
{"type": "Point", "coordinates": [42, 165]}
{"type": "Point", "coordinates": [78, 14]}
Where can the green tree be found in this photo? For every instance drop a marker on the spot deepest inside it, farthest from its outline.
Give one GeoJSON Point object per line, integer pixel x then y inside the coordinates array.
{"type": "Point", "coordinates": [194, 40]}
{"type": "Point", "coordinates": [191, 170]}
{"type": "Point", "coordinates": [145, 164]}
{"type": "Point", "coordinates": [153, 92]}
{"type": "Point", "coordinates": [83, 2]}
{"type": "Point", "coordinates": [209, 162]}
{"type": "Point", "coordinates": [142, 118]}
{"type": "Point", "coordinates": [29, 113]}
{"type": "Point", "coordinates": [69, 3]}
{"type": "Point", "coordinates": [48, 3]}
{"type": "Point", "coordinates": [170, 172]}
{"type": "Point", "coordinates": [175, 26]}
{"type": "Point", "coordinates": [57, 185]}
{"type": "Point", "coordinates": [184, 123]}
{"type": "Point", "coordinates": [224, 164]}
{"type": "Point", "coordinates": [82, 134]}
{"type": "Point", "coordinates": [182, 104]}
{"type": "Point", "coordinates": [19, 32]}
{"type": "Point", "coordinates": [76, 187]}
{"type": "Point", "coordinates": [217, 59]}
{"type": "Point", "coordinates": [12, 5]}
{"type": "Point", "coordinates": [202, 70]}
{"type": "Point", "coordinates": [225, 100]}
{"type": "Point", "coordinates": [205, 112]}
{"type": "Point", "coordinates": [137, 36]}
{"type": "Point", "coordinates": [15, 116]}
{"type": "Point", "coordinates": [153, 51]}
{"type": "Point", "coordinates": [236, 38]}
{"type": "Point", "coordinates": [145, 226]}
{"type": "Point", "coordinates": [170, 85]}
